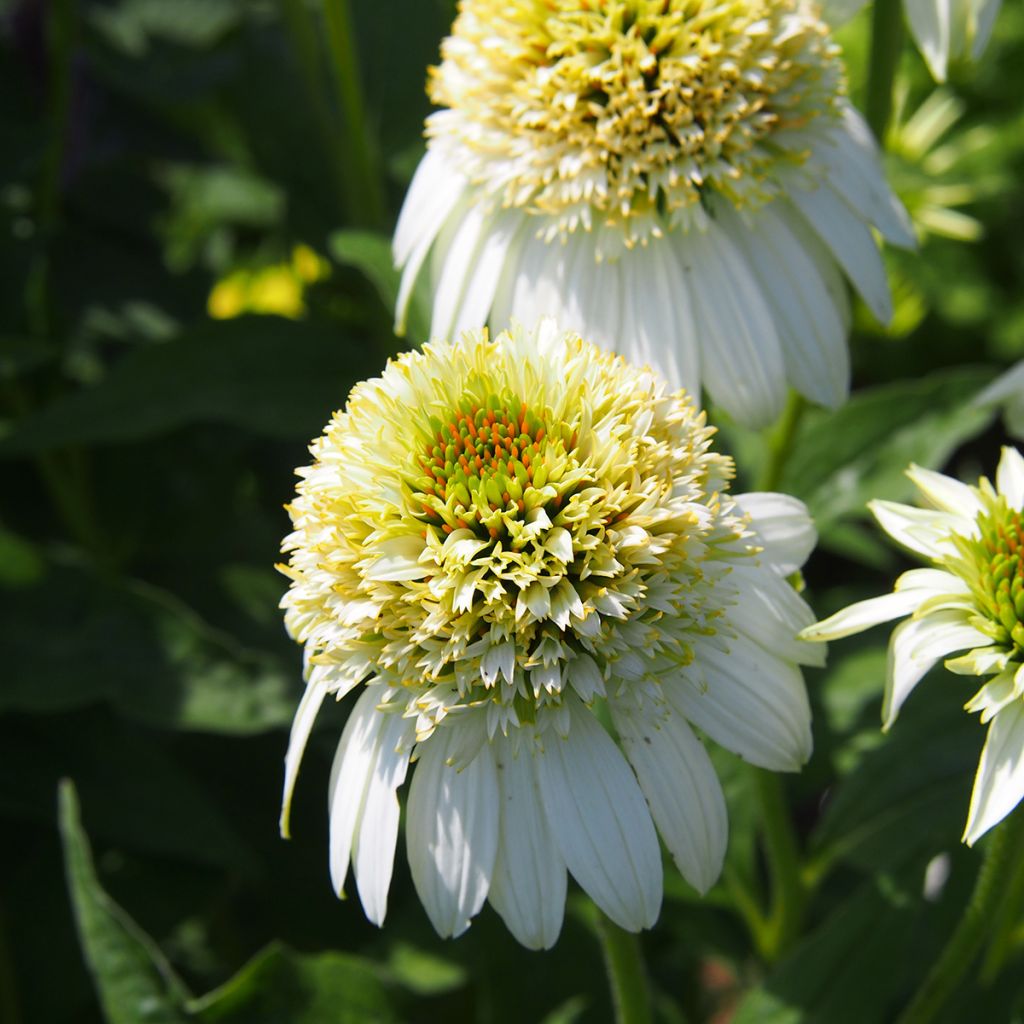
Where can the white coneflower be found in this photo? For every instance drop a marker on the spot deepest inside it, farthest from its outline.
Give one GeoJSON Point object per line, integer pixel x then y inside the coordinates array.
{"type": "Point", "coordinates": [509, 546]}
{"type": "Point", "coordinates": [972, 600]}
{"type": "Point", "coordinates": [683, 180]}
{"type": "Point", "coordinates": [944, 30]}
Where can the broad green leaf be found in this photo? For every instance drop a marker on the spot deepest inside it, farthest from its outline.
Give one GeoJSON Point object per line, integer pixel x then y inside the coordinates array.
{"type": "Point", "coordinates": [371, 254]}
{"type": "Point", "coordinates": [424, 973]}
{"type": "Point", "coordinates": [844, 972]}
{"type": "Point", "coordinates": [841, 460]}
{"type": "Point", "coordinates": [280, 985]}
{"type": "Point", "coordinates": [135, 983]}
{"type": "Point", "coordinates": [906, 798]}
{"type": "Point", "coordinates": [275, 377]}
{"type": "Point", "coordinates": [142, 649]}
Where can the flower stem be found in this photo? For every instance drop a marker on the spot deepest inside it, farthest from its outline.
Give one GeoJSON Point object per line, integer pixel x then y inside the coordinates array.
{"type": "Point", "coordinates": [886, 46]}
{"type": "Point", "coordinates": [780, 441]}
{"type": "Point", "coordinates": [782, 852]}
{"type": "Point", "coordinates": [948, 971]}
{"type": "Point", "coordinates": [367, 204]}
{"type": "Point", "coordinates": [626, 975]}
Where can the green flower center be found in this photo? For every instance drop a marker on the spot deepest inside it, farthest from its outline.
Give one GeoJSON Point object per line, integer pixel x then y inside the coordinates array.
{"type": "Point", "coordinates": [1001, 567]}
{"type": "Point", "coordinates": [490, 461]}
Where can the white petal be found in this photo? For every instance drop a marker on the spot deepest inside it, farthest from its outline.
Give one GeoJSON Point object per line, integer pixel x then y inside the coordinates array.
{"type": "Point", "coordinates": [811, 327]}
{"type": "Point", "coordinates": [849, 240]}
{"type": "Point", "coordinates": [681, 787]}
{"type": "Point", "coordinates": [597, 814]}
{"type": "Point", "coordinates": [1010, 477]}
{"type": "Point", "coordinates": [770, 612]}
{"type": "Point", "coordinates": [783, 525]}
{"type": "Point", "coordinates": [529, 882]}
{"type": "Point", "coordinates": [489, 261]}
{"type": "Point", "coordinates": [353, 763]}
{"type": "Point", "coordinates": [984, 21]}
{"type": "Point", "coordinates": [740, 351]}
{"type": "Point", "coordinates": [930, 25]}
{"type": "Point", "coordinates": [945, 493]}
{"type": "Point", "coordinates": [373, 846]}
{"type": "Point", "coordinates": [922, 530]}
{"type": "Point", "coordinates": [459, 260]}
{"type": "Point", "coordinates": [916, 646]}
{"type": "Point", "coordinates": [397, 559]}
{"type": "Point", "coordinates": [302, 725]}
{"type": "Point", "coordinates": [999, 784]}
{"type": "Point", "coordinates": [451, 833]}
{"type": "Point", "coordinates": [749, 701]}
{"type": "Point", "coordinates": [862, 615]}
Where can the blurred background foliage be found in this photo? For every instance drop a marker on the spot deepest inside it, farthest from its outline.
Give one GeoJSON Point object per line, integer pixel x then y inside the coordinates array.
{"type": "Point", "coordinates": [195, 207]}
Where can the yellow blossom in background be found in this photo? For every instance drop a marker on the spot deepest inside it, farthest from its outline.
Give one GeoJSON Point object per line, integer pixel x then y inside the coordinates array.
{"type": "Point", "coordinates": [278, 289]}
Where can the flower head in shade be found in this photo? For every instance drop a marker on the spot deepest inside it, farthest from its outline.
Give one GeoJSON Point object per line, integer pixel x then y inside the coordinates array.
{"type": "Point", "coordinates": [682, 180]}
{"type": "Point", "coordinates": [509, 546]}
{"type": "Point", "coordinates": [944, 31]}
{"type": "Point", "coordinates": [971, 600]}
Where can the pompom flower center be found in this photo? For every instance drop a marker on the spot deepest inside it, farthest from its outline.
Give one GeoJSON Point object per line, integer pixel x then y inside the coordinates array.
{"type": "Point", "coordinates": [1000, 560]}
{"type": "Point", "coordinates": [483, 464]}
{"type": "Point", "coordinates": [628, 108]}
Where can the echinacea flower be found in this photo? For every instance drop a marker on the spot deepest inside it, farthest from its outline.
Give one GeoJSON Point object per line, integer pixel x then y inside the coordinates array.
{"type": "Point", "coordinates": [513, 548]}
{"type": "Point", "coordinates": [944, 30]}
{"type": "Point", "coordinates": [682, 180]}
{"type": "Point", "coordinates": [972, 600]}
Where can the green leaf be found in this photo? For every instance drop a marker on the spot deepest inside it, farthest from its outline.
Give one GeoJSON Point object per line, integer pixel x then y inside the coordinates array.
{"type": "Point", "coordinates": [135, 983]}
{"type": "Point", "coordinates": [844, 972]}
{"type": "Point", "coordinates": [274, 377]}
{"type": "Point", "coordinates": [907, 798]}
{"type": "Point", "coordinates": [840, 460]}
{"type": "Point", "coordinates": [423, 973]}
{"type": "Point", "coordinates": [371, 254]}
{"type": "Point", "coordinates": [280, 985]}
{"type": "Point", "coordinates": [144, 650]}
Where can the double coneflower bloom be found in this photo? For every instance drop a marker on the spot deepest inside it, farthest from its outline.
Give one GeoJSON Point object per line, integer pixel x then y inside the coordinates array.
{"type": "Point", "coordinates": [683, 181]}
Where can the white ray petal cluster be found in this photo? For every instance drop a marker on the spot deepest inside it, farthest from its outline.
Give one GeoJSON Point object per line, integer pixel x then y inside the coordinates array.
{"type": "Point", "coordinates": [682, 180]}
{"type": "Point", "coordinates": [971, 601]}
{"type": "Point", "coordinates": [944, 30]}
{"type": "Point", "coordinates": [523, 553]}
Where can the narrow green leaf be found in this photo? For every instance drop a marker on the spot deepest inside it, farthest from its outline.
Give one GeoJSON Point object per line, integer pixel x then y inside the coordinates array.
{"type": "Point", "coordinates": [135, 983]}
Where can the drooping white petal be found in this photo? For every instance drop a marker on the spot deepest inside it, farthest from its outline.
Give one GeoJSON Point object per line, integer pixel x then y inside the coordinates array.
{"type": "Point", "coordinates": [529, 882]}
{"type": "Point", "coordinates": [810, 326]}
{"type": "Point", "coordinates": [681, 787]}
{"type": "Point", "coordinates": [373, 845]}
{"type": "Point", "coordinates": [999, 784]}
{"type": "Point", "coordinates": [783, 525]}
{"type": "Point", "coordinates": [930, 23]}
{"type": "Point", "coordinates": [600, 822]}
{"type": "Point", "coordinates": [849, 240]}
{"type": "Point", "coordinates": [302, 725]}
{"type": "Point", "coordinates": [984, 18]}
{"type": "Point", "coordinates": [945, 493]}
{"type": "Point", "coordinates": [350, 773]}
{"type": "Point", "coordinates": [770, 612]}
{"type": "Point", "coordinates": [916, 646]}
{"type": "Point", "coordinates": [861, 615]}
{"type": "Point", "coordinates": [749, 701]}
{"type": "Point", "coordinates": [459, 261]}
{"type": "Point", "coordinates": [921, 529]}
{"type": "Point", "coordinates": [451, 833]}
{"type": "Point", "coordinates": [741, 356]}
{"type": "Point", "coordinates": [1010, 477]}
{"type": "Point", "coordinates": [489, 262]}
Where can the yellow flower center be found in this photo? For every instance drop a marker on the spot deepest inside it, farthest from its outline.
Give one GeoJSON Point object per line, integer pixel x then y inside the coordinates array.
{"type": "Point", "coordinates": [628, 109]}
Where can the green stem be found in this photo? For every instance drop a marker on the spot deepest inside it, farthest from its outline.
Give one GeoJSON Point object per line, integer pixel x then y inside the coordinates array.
{"type": "Point", "coordinates": [957, 958]}
{"type": "Point", "coordinates": [782, 853]}
{"type": "Point", "coordinates": [780, 441]}
{"type": "Point", "coordinates": [886, 46]}
{"type": "Point", "coordinates": [626, 975]}
{"type": "Point", "coordinates": [1007, 925]}
{"type": "Point", "coordinates": [367, 204]}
